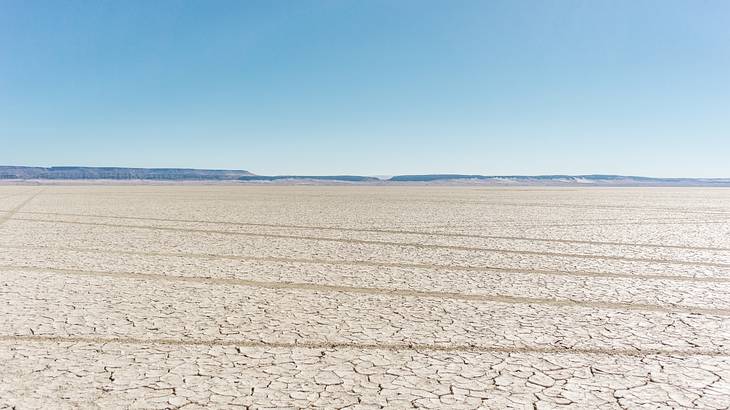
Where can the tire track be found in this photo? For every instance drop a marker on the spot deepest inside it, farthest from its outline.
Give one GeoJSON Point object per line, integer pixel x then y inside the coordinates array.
{"type": "Point", "coordinates": [394, 292]}
{"type": "Point", "coordinates": [396, 231]}
{"type": "Point", "coordinates": [625, 208]}
{"type": "Point", "coordinates": [686, 222]}
{"type": "Point", "coordinates": [571, 206]}
{"type": "Point", "coordinates": [8, 196]}
{"type": "Point", "coordinates": [11, 213]}
{"type": "Point", "coordinates": [502, 220]}
{"type": "Point", "coordinates": [383, 346]}
{"type": "Point", "coordinates": [617, 207]}
{"type": "Point", "coordinates": [427, 199]}
{"type": "Point", "coordinates": [493, 224]}
{"type": "Point", "coordinates": [452, 268]}
{"type": "Point", "coordinates": [384, 243]}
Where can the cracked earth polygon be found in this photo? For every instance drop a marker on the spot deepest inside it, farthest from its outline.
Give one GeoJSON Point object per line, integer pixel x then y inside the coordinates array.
{"type": "Point", "coordinates": [358, 297]}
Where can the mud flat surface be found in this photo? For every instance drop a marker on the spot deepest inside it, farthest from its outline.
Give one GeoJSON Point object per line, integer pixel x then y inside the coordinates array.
{"type": "Point", "coordinates": [194, 296]}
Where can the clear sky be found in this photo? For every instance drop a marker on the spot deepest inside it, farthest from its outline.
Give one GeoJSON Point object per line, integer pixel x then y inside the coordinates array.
{"type": "Point", "coordinates": [369, 87]}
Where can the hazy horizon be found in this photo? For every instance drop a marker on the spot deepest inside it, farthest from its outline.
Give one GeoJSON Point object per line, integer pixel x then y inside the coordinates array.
{"type": "Point", "coordinates": [369, 88]}
{"type": "Point", "coordinates": [379, 176]}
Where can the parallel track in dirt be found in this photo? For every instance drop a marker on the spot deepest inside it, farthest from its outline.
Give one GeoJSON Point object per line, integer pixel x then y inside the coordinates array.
{"type": "Point", "coordinates": [316, 287]}
{"type": "Point", "coordinates": [383, 243]}
{"type": "Point", "coordinates": [394, 347]}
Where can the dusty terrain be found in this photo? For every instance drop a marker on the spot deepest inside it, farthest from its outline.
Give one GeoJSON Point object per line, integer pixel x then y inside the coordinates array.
{"type": "Point", "coordinates": [364, 297]}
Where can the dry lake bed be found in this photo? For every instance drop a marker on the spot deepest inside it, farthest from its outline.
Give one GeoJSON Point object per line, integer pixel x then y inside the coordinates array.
{"type": "Point", "coordinates": [191, 296]}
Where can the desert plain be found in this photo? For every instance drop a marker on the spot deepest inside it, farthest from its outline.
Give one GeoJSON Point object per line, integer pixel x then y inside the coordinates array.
{"type": "Point", "coordinates": [359, 297]}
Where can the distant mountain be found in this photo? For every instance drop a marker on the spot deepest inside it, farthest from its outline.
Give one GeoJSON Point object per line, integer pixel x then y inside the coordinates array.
{"type": "Point", "coordinates": [186, 174]}
{"type": "Point", "coordinates": [112, 173]}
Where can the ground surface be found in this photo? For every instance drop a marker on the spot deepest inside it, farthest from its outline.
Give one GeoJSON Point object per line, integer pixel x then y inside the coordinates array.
{"type": "Point", "coordinates": [333, 297]}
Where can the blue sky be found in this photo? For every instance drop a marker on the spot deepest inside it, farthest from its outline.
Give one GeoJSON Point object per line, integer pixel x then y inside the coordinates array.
{"type": "Point", "coordinates": [369, 87]}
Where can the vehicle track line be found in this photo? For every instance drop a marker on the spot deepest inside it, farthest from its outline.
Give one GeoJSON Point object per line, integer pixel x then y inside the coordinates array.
{"type": "Point", "coordinates": [393, 231]}
{"type": "Point", "coordinates": [383, 346]}
{"type": "Point", "coordinates": [627, 224]}
{"type": "Point", "coordinates": [452, 268]}
{"type": "Point", "coordinates": [492, 224]}
{"type": "Point", "coordinates": [264, 224]}
{"type": "Point", "coordinates": [711, 212]}
{"type": "Point", "coordinates": [314, 287]}
{"type": "Point", "coordinates": [10, 214]}
{"type": "Point", "coordinates": [595, 207]}
{"type": "Point", "coordinates": [385, 243]}
{"type": "Point", "coordinates": [720, 212]}
{"type": "Point", "coordinates": [8, 196]}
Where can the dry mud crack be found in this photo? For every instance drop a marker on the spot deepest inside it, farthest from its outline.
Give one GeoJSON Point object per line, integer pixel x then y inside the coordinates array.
{"type": "Point", "coordinates": [384, 243]}
{"type": "Point", "coordinates": [363, 297]}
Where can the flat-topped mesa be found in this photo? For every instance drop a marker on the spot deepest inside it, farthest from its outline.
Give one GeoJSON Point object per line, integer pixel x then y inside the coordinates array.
{"type": "Point", "coordinates": [190, 174]}
{"type": "Point", "coordinates": [119, 173]}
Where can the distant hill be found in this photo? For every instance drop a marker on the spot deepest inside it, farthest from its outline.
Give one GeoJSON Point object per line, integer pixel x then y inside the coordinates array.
{"type": "Point", "coordinates": [187, 174]}
{"type": "Point", "coordinates": [580, 180]}
{"type": "Point", "coordinates": [112, 173]}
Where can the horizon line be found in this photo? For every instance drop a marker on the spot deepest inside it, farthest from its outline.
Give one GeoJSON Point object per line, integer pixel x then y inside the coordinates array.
{"type": "Point", "coordinates": [379, 176]}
